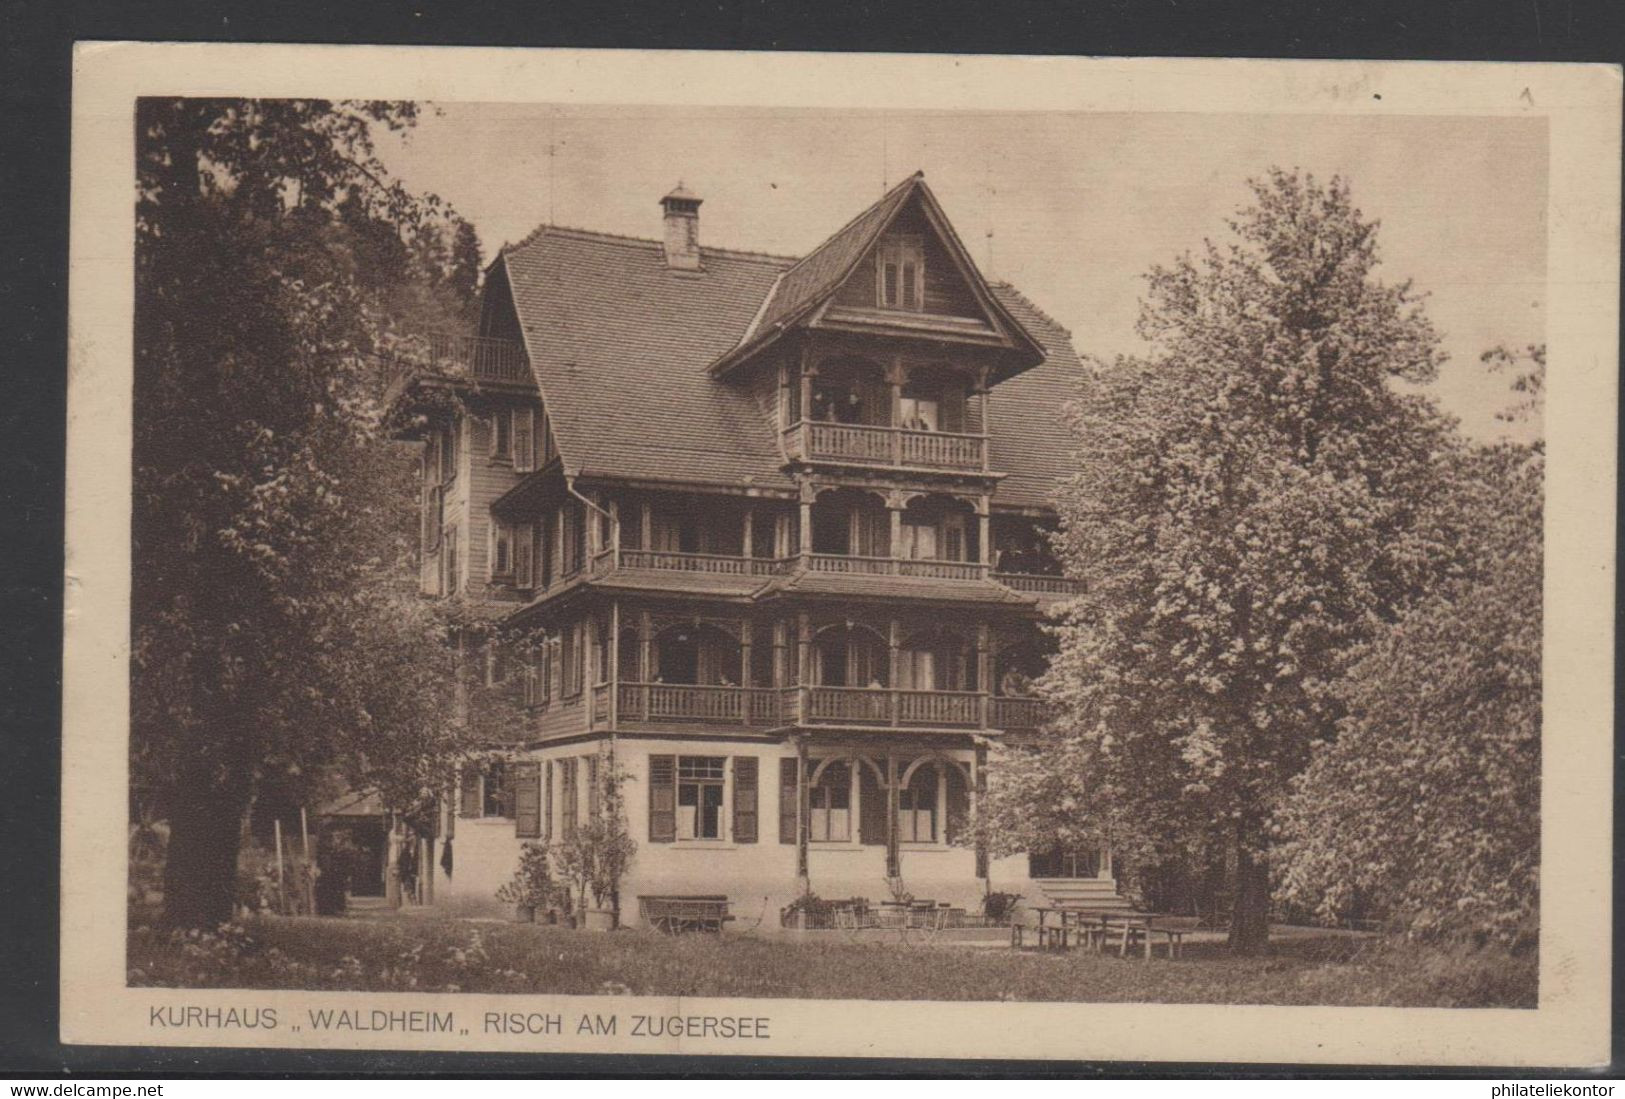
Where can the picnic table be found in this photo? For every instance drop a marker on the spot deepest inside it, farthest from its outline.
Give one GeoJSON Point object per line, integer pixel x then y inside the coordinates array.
{"type": "Point", "coordinates": [1060, 927]}
{"type": "Point", "coordinates": [673, 914]}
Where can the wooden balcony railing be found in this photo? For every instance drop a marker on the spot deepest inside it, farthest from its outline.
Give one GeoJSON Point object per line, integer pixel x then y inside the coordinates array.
{"type": "Point", "coordinates": [884, 706]}
{"type": "Point", "coordinates": [479, 358]}
{"type": "Point", "coordinates": [941, 450]}
{"type": "Point", "coordinates": [716, 564]}
{"type": "Point", "coordinates": [867, 444]}
{"type": "Point", "coordinates": [895, 566]}
{"type": "Point", "coordinates": [770, 707]}
{"type": "Point", "coordinates": [1039, 585]}
{"type": "Point", "coordinates": [1019, 714]}
{"type": "Point", "coordinates": [682, 703]}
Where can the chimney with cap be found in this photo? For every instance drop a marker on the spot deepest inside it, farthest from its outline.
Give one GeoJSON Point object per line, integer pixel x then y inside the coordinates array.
{"type": "Point", "coordinates": [682, 209]}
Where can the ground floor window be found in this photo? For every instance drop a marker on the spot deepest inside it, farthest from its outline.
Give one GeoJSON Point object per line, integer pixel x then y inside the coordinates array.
{"type": "Point", "coordinates": [496, 799]}
{"type": "Point", "coordinates": [831, 798]}
{"type": "Point", "coordinates": [700, 782]}
{"type": "Point", "coordinates": [917, 807]}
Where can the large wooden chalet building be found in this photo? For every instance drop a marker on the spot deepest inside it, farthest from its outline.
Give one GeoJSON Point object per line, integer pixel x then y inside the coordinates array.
{"type": "Point", "coordinates": [774, 528]}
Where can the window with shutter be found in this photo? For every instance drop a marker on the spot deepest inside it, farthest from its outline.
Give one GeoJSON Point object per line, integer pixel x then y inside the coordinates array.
{"type": "Point", "coordinates": [497, 790]}
{"type": "Point", "coordinates": [524, 546]}
{"type": "Point", "coordinates": [579, 663]}
{"type": "Point", "coordinates": [544, 553]}
{"type": "Point", "coordinates": [568, 796]}
{"type": "Point", "coordinates": [501, 427]}
{"type": "Point", "coordinates": [501, 550]}
{"type": "Point", "coordinates": [555, 680]}
{"type": "Point", "coordinates": [527, 801]}
{"type": "Point", "coordinates": [524, 439]}
{"type": "Point", "coordinates": [788, 797]}
{"type": "Point", "coordinates": [958, 804]}
{"type": "Point", "coordinates": [745, 813]}
{"type": "Point", "coordinates": [662, 799]}
{"type": "Point", "coordinates": [452, 559]}
{"type": "Point", "coordinates": [567, 660]}
{"type": "Point", "coordinates": [468, 791]}
{"type": "Point", "coordinates": [547, 800]}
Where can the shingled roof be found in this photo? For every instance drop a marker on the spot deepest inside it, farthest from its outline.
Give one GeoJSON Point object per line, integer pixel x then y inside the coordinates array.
{"type": "Point", "coordinates": [621, 344]}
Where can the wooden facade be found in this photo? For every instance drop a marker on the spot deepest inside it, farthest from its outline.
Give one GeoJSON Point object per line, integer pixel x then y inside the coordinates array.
{"type": "Point", "coordinates": [854, 612]}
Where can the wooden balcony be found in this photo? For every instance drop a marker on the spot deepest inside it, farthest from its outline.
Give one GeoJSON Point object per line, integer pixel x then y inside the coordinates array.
{"type": "Point", "coordinates": [689, 704]}
{"type": "Point", "coordinates": [887, 707]}
{"type": "Point", "coordinates": [894, 566]}
{"type": "Point", "coordinates": [714, 564]}
{"type": "Point", "coordinates": [1051, 586]}
{"type": "Point", "coordinates": [1017, 715]}
{"type": "Point", "coordinates": [679, 704]}
{"type": "Point", "coordinates": [866, 445]}
{"type": "Point", "coordinates": [455, 358]}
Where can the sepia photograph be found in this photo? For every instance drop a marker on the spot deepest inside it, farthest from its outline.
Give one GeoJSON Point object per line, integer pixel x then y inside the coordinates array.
{"type": "Point", "coordinates": [736, 553]}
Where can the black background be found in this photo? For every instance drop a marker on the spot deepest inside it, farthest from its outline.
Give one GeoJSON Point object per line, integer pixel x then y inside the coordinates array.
{"type": "Point", "coordinates": [36, 38]}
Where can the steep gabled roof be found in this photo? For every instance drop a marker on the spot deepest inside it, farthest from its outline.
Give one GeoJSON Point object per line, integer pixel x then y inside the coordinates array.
{"type": "Point", "coordinates": [619, 344]}
{"type": "Point", "coordinates": [804, 287]}
{"type": "Point", "coordinates": [801, 289]}
{"type": "Point", "coordinates": [1026, 436]}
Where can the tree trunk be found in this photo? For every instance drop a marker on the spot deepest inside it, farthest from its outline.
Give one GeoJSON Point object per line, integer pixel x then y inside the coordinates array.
{"type": "Point", "coordinates": [200, 873]}
{"type": "Point", "coordinates": [1250, 916]}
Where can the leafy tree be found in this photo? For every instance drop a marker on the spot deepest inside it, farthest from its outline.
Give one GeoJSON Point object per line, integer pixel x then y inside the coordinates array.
{"type": "Point", "coordinates": [1427, 803]}
{"type": "Point", "coordinates": [1251, 502]}
{"type": "Point", "coordinates": [275, 631]}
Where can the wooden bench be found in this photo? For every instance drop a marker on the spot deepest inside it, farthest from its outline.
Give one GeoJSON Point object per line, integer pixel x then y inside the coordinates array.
{"type": "Point", "coordinates": [674, 914]}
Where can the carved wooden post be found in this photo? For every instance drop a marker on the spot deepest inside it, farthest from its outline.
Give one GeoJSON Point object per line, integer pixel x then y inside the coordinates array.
{"type": "Point", "coordinates": [893, 862]}
{"type": "Point", "coordinates": [984, 527]}
{"type": "Point", "coordinates": [985, 394]}
{"type": "Point", "coordinates": [803, 812]}
{"type": "Point", "coordinates": [979, 795]}
{"type": "Point", "coordinates": [614, 662]}
{"type": "Point", "coordinates": [646, 525]}
{"type": "Point", "coordinates": [590, 639]}
{"type": "Point", "coordinates": [803, 668]}
{"type": "Point", "coordinates": [894, 377]}
{"type": "Point", "coordinates": [895, 505]}
{"type": "Point", "coordinates": [747, 535]}
{"type": "Point", "coordinates": [984, 672]}
{"type": "Point", "coordinates": [645, 657]}
{"type": "Point", "coordinates": [894, 660]}
{"type": "Point", "coordinates": [808, 494]}
{"type": "Point", "coordinates": [745, 642]}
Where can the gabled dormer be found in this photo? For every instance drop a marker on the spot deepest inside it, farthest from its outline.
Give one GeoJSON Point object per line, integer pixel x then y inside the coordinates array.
{"type": "Point", "coordinates": [899, 271]}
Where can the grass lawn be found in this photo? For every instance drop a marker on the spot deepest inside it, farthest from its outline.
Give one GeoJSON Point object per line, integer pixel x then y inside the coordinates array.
{"type": "Point", "coordinates": [441, 955]}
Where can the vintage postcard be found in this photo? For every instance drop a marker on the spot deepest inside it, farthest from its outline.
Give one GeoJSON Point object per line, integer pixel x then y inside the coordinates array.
{"type": "Point", "coordinates": [840, 555]}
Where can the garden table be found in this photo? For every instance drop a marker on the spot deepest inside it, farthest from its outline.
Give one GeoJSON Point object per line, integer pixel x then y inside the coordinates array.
{"type": "Point", "coordinates": [1097, 927]}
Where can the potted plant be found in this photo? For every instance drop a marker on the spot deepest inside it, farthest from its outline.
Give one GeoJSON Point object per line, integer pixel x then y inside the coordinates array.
{"type": "Point", "coordinates": [997, 907]}
{"type": "Point", "coordinates": [597, 854]}
{"type": "Point", "coordinates": [531, 887]}
{"type": "Point", "coordinates": [806, 912]}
